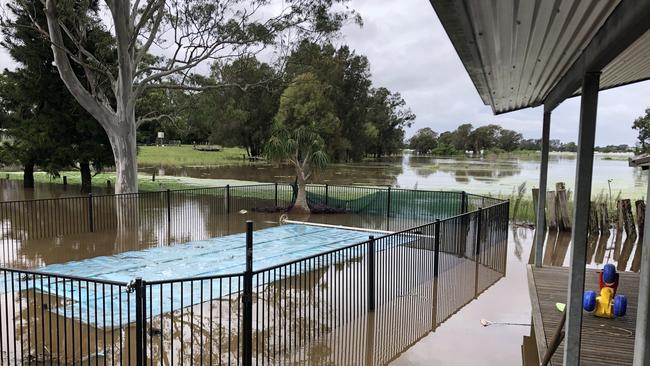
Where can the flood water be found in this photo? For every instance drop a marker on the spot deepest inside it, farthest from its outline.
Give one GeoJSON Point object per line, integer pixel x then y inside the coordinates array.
{"type": "Point", "coordinates": [493, 176]}
{"type": "Point", "coordinates": [196, 217]}
{"type": "Point", "coordinates": [458, 340]}
{"type": "Point", "coordinates": [480, 176]}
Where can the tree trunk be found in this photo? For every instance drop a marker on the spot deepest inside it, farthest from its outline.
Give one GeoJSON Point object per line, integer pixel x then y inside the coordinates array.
{"type": "Point", "coordinates": [86, 177]}
{"type": "Point", "coordinates": [28, 175]}
{"type": "Point", "coordinates": [125, 152]}
{"type": "Point", "coordinates": [301, 206]}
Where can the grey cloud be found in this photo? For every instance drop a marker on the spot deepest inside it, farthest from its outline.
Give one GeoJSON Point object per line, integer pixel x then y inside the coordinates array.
{"type": "Point", "coordinates": [410, 52]}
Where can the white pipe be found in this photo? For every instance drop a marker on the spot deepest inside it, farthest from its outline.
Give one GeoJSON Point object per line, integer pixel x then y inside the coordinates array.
{"type": "Point", "coordinates": [287, 221]}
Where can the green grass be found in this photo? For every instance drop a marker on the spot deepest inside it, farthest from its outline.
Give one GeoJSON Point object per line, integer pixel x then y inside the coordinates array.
{"type": "Point", "coordinates": [521, 154]}
{"type": "Point", "coordinates": [145, 183]}
{"type": "Point", "coordinates": [185, 155]}
{"type": "Point", "coordinates": [522, 209]}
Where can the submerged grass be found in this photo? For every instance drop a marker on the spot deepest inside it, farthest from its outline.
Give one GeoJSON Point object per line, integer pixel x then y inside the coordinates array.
{"type": "Point", "coordinates": [145, 182]}
{"type": "Point", "coordinates": [522, 209]}
{"type": "Point", "coordinates": [184, 155]}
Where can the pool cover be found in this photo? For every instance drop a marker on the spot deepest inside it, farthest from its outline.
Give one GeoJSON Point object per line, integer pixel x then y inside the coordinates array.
{"type": "Point", "coordinates": [100, 305]}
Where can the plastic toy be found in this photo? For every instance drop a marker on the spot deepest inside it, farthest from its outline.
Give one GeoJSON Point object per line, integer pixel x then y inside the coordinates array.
{"type": "Point", "coordinates": [607, 304]}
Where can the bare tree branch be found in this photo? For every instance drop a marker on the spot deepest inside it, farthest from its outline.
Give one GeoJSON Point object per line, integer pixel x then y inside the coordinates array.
{"type": "Point", "coordinates": [100, 111]}
{"type": "Point", "coordinates": [150, 117]}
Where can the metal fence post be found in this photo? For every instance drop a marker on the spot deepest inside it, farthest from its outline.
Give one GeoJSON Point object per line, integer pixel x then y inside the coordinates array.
{"type": "Point", "coordinates": [247, 299]}
{"type": "Point", "coordinates": [371, 273]}
{"type": "Point", "coordinates": [327, 194]}
{"type": "Point", "coordinates": [227, 198]}
{"type": "Point", "coordinates": [463, 202]}
{"type": "Point", "coordinates": [388, 211]}
{"type": "Point", "coordinates": [169, 208]}
{"type": "Point", "coordinates": [140, 319]}
{"type": "Point", "coordinates": [478, 231]}
{"type": "Point", "coordinates": [436, 247]}
{"type": "Point", "coordinates": [91, 223]}
{"type": "Point", "coordinates": [276, 194]}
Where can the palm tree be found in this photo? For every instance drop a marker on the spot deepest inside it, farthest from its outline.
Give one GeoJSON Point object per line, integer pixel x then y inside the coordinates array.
{"type": "Point", "coordinates": [304, 117]}
{"type": "Point", "coordinates": [304, 150]}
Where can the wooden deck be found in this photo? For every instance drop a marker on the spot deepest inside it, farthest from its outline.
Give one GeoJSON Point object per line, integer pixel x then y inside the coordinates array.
{"type": "Point", "coordinates": [604, 341]}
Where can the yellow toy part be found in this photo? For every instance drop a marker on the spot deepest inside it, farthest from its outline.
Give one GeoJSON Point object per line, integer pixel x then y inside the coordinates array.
{"type": "Point", "coordinates": [605, 303]}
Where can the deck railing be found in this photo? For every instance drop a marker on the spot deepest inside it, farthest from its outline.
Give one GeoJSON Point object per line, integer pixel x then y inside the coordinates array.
{"type": "Point", "coordinates": [261, 315]}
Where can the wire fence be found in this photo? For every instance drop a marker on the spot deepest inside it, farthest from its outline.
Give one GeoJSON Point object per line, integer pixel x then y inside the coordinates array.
{"type": "Point", "coordinates": [262, 315]}
{"type": "Point", "coordinates": [175, 216]}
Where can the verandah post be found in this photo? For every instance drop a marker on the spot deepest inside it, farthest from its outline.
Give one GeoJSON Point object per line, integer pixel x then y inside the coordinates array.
{"type": "Point", "coordinates": [247, 299]}
{"type": "Point", "coordinates": [582, 201]}
{"type": "Point", "coordinates": [540, 224]}
{"type": "Point", "coordinates": [371, 273]}
{"type": "Point", "coordinates": [91, 223]}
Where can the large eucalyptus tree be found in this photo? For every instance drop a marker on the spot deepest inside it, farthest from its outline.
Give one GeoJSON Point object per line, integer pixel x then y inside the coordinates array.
{"type": "Point", "coordinates": [161, 43]}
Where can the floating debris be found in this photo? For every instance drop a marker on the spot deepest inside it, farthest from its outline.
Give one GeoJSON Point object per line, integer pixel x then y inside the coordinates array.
{"type": "Point", "coordinates": [487, 323]}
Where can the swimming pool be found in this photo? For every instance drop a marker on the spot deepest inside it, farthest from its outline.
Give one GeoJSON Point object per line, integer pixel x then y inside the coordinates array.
{"type": "Point", "coordinates": [196, 259]}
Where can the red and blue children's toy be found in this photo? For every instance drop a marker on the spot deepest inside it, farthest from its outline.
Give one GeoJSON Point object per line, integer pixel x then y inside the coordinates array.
{"type": "Point", "coordinates": [608, 304]}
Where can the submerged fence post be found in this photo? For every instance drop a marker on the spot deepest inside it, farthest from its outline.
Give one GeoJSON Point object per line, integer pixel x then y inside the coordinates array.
{"type": "Point", "coordinates": [169, 208]}
{"type": "Point", "coordinates": [463, 202]}
{"type": "Point", "coordinates": [91, 223]}
{"type": "Point", "coordinates": [436, 247]}
{"type": "Point", "coordinates": [276, 194]}
{"type": "Point", "coordinates": [228, 199]}
{"type": "Point", "coordinates": [247, 299]}
{"type": "Point", "coordinates": [478, 231]}
{"type": "Point", "coordinates": [327, 195]}
{"type": "Point", "coordinates": [140, 325]}
{"type": "Point", "coordinates": [388, 210]}
{"type": "Point", "coordinates": [371, 273]}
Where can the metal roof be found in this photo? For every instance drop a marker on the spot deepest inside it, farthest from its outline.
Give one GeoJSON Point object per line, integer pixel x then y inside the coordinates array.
{"type": "Point", "coordinates": [518, 51]}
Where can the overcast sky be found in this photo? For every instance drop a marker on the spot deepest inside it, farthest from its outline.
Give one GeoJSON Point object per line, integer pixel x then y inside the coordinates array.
{"type": "Point", "coordinates": [410, 53]}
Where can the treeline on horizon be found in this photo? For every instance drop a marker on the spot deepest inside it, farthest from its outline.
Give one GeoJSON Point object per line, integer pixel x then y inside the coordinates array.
{"type": "Point", "coordinates": [489, 139]}
{"type": "Point", "coordinates": [43, 127]}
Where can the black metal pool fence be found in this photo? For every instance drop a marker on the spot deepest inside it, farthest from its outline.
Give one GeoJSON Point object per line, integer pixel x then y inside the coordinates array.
{"type": "Point", "coordinates": [259, 316]}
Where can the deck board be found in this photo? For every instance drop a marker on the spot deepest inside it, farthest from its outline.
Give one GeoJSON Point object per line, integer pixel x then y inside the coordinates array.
{"type": "Point", "coordinates": [604, 341]}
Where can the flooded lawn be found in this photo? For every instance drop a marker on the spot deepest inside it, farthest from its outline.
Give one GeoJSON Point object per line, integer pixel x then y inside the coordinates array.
{"type": "Point", "coordinates": [493, 176]}
{"type": "Point", "coordinates": [481, 176]}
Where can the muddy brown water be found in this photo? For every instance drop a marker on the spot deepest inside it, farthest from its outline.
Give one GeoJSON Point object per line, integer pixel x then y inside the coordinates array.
{"type": "Point", "coordinates": [390, 335]}
{"type": "Point", "coordinates": [475, 175]}
{"type": "Point", "coordinates": [200, 333]}
{"type": "Point", "coordinates": [12, 190]}
{"type": "Point", "coordinates": [403, 336]}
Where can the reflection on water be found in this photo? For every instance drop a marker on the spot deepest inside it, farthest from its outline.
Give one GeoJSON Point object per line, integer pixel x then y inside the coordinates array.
{"type": "Point", "coordinates": [424, 304]}
{"type": "Point", "coordinates": [494, 176]}
{"type": "Point", "coordinates": [293, 331]}
{"type": "Point", "coordinates": [610, 246]}
{"type": "Point", "coordinates": [12, 190]}
{"type": "Point", "coordinates": [473, 175]}
{"type": "Point", "coordinates": [379, 338]}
